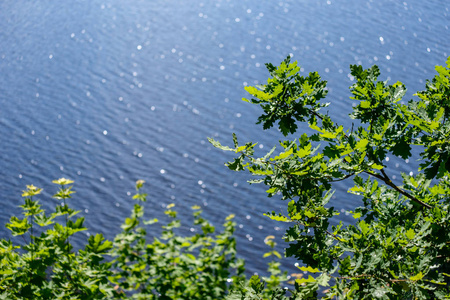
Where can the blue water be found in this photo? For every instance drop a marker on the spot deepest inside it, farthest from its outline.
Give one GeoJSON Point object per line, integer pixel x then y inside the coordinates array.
{"type": "Point", "coordinates": [108, 92]}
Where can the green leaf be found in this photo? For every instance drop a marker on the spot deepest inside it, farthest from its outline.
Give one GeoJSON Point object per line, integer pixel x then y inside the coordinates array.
{"type": "Point", "coordinates": [271, 190]}
{"type": "Point", "coordinates": [361, 144]}
{"type": "Point", "coordinates": [410, 234]}
{"type": "Point", "coordinates": [6, 272]}
{"type": "Point", "coordinates": [305, 280]}
{"type": "Point", "coordinates": [17, 226]}
{"type": "Point", "coordinates": [31, 191]}
{"type": "Point", "coordinates": [139, 184]}
{"type": "Point", "coordinates": [278, 217]}
{"type": "Point", "coordinates": [309, 269]}
{"type": "Point", "coordinates": [357, 215]}
{"type": "Point", "coordinates": [416, 277]}
{"type": "Point", "coordinates": [365, 229]}
{"type": "Point", "coordinates": [191, 257]}
{"type": "Point", "coordinates": [43, 220]}
{"type": "Point", "coordinates": [329, 135]}
{"type": "Point", "coordinates": [315, 127]}
{"type": "Point", "coordinates": [140, 197]}
{"type": "Point", "coordinates": [323, 280]}
{"type": "Point", "coordinates": [310, 214]}
{"type": "Point", "coordinates": [230, 217]}
{"type": "Point", "coordinates": [257, 93]}
{"type": "Point", "coordinates": [219, 146]}
{"type": "Point", "coordinates": [376, 166]}
{"type": "Point", "coordinates": [260, 172]}
{"type": "Point", "coordinates": [300, 173]}
{"type": "Point", "coordinates": [129, 224]}
{"type": "Point", "coordinates": [304, 151]}
{"type": "Point", "coordinates": [152, 221]}
{"type": "Point", "coordinates": [239, 149]}
{"type": "Point", "coordinates": [63, 181]}
{"type": "Point", "coordinates": [277, 254]}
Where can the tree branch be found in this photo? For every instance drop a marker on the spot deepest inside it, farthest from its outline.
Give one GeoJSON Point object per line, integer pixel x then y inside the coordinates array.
{"type": "Point", "coordinates": [388, 181]}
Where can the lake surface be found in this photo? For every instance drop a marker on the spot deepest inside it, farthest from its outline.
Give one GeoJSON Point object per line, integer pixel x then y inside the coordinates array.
{"type": "Point", "coordinates": [108, 92]}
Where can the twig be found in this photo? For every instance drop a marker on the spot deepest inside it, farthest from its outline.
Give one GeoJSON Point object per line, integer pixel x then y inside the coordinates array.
{"type": "Point", "coordinates": [388, 181]}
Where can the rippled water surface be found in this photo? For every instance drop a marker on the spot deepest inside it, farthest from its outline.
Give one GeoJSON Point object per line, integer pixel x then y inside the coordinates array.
{"type": "Point", "coordinates": [108, 92]}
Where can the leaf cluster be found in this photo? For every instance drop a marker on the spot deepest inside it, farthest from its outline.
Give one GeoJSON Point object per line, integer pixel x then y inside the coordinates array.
{"type": "Point", "coordinates": [45, 265]}
{"type": "Point", "coordinates": [175, 265]}
{"type": "Point", "coordinates": [198, 266]}
{"type": "Point", "coordinates": [398, 247]}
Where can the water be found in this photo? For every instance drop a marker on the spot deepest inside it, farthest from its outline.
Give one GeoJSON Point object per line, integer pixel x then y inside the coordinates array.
{"type": "Point", "coordinates": [108, 92]}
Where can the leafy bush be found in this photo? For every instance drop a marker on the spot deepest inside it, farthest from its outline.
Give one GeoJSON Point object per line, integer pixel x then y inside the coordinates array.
{"type": "Point", "coordinates": [45, 266]}
{"type": "Point", "coordinates": [399, 245]}
{"type": "Point", "coordinates": [174, 266]}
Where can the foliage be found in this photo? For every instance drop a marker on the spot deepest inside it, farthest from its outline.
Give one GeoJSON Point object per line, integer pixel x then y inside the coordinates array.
{"type": "Point", "coordinates": [45, 266]}
{"type": "Point", "coordinates": [399, 245]}
{"type": "Point", "coordinates": [269, 287]}
{"type": "Point", "coordinates": [174, 266]}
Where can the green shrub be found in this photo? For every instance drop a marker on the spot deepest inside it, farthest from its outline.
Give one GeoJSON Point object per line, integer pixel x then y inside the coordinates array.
{"type": "Point", "coordinates": [45, 266]}
{"type": "Point", "coordinates": [200, 266]}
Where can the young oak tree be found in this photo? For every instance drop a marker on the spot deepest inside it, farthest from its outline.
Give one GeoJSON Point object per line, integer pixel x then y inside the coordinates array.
{"type": "Point", "coordinates": [399, 245]}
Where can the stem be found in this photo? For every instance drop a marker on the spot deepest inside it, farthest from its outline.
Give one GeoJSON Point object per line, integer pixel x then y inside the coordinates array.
{"type": "Point", "coordinates": [362, 276]}
{"type": "Point", "coordinates": [353, 277]}
{"type": "Point", "coordinates": [24, 239]}
{"type": "Point", "coordinates": [388, 181]}
{"type": "Point", "coordinates": [343, 178]}
{"type": "Point", "coordinates": [32, 239]}
{"type": "Point", "coordinates": [333, 235]}
{"type": "Point", "coordinates": [67, 220]}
